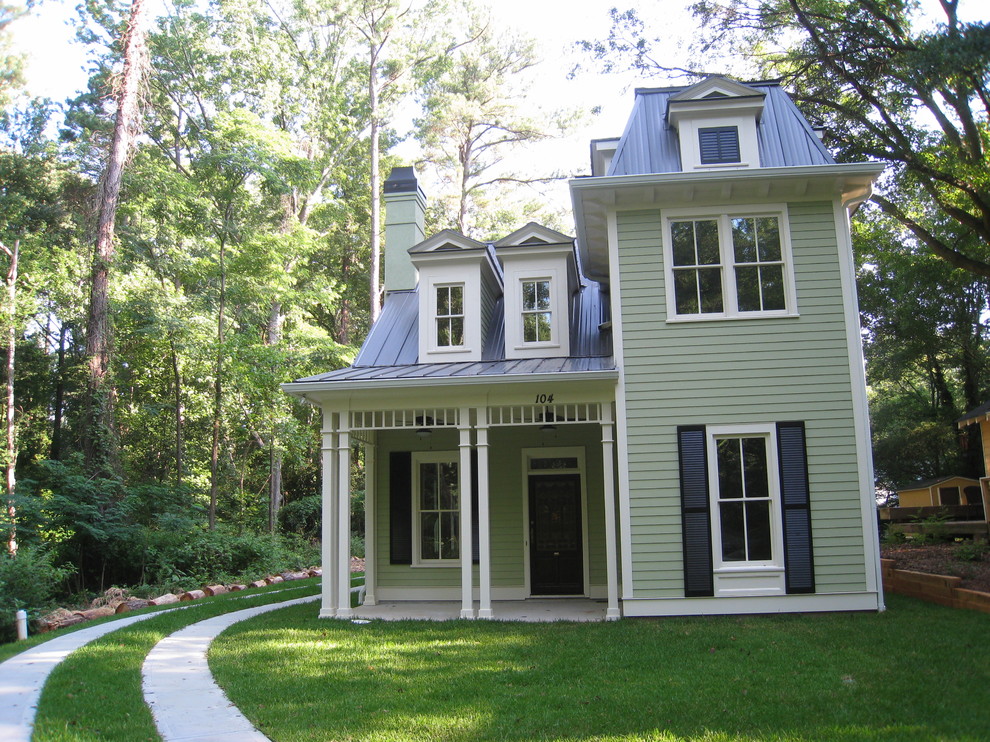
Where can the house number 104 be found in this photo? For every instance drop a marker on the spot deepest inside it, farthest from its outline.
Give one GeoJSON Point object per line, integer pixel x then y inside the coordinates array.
{"type": "Point", "coordinates": [544, 399]}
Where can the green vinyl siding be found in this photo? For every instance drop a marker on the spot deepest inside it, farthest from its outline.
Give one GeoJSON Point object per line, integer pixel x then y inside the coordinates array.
{"type": "Point", "coordinates": [507, 489]}
{"type": "Point", "coordinates": [739, 371]}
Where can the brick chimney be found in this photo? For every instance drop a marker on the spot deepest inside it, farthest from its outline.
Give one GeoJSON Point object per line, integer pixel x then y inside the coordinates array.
{"type": "Point", "coordinates": [405, 211]}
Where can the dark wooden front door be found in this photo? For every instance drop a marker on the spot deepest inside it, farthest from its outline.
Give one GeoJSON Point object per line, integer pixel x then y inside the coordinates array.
{"type": "Point", "coordinates": [555, 552]}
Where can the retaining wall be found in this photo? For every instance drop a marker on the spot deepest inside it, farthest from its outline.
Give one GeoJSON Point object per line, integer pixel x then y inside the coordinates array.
{"type": "Point", "coordinates": [933, 588]}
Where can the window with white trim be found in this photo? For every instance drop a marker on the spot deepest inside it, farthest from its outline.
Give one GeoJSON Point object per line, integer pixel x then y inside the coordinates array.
{"type": "Point", "coordinates": [436, 504]}
{"type": "Point", "coordinates": [728, 265]}
{"type": "Point", "coordinates": [450, 315]}
{"type": "Point", "coordinates": [744, 501]}
{"type": "Point", "coordinates": [537, 312]}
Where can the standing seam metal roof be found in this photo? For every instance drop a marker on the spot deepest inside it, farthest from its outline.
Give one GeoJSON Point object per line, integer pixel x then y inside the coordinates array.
{"type": "Point", "coordinates": [650, 145]}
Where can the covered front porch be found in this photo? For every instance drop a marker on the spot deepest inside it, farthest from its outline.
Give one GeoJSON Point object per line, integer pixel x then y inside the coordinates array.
{"type": "Point", "coordinates": [536, 479]}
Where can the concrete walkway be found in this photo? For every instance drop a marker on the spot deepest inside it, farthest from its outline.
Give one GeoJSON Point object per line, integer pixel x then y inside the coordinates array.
{"type": "Point", "coordinates": [23, 676]}
{"type": "Point", "coordinates": [185, 701]}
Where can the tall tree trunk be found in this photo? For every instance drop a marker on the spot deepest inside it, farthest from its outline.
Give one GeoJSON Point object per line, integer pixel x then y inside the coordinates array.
{"type": "Point", "coordinates": [180, 412]}
{"type": "Point", "coordinates": [218, 391]}
{"type": "Point", "coordinates": [375, 268]}
{"type": "Point", "coordinates": [272, 338]}
{"type": "Point", "coordinates": [55, 452]}
{"type": "Point", "coordinates": [99, 443]}
{"type": "Point", "coordinates": [11, 430]}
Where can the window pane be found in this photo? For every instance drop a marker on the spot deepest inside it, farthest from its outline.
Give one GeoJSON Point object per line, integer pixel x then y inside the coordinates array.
{"type": "Point", "coordinates": [456, 300]}
{"type": "Point", "coordinates": [706, 234]}
{"type": "Point", "coordinates": [530, 334]}
{"type": "Point", "coordinates": [450, 548]}
{"type": "Point", "coordinates": [768, 237]}
{"type": "Point", "coordinates": [529, 295]}
{"type": "Point", "coordinates": [758, 530]}
{"type": "Point", "coordinates": [567, 462]}
{"type": "Point", "coordinates": [772, 278]}
{"type": "Point", "coordinates": [543, 295]}
{"type": "Point", "coordinates": [755, 467]}
{"type": "Point", "coordinates": [682, 242]}
{"type": "Point", "coordinates": [748, 288]}
{"type": "Point", "coordinates": [448, 486]}
{"type": "Point", "coordinates": [686, 291]}
{"type": "Point", "coordinates": [443, 301]}
{"type": "Point", "coordinates": [730, 477]}
{"type": "Point", "coordinates": [744, 240]}
{"type": "Point", "coordinates": [428, 486]}
{"type": "Point", "coordinates": [733, 531]}
{"type": "Point", "coordinates": [543, 326]}
{"type": "Point", "coordinates": [443, 332]}
{"type": "Point", "coordinates": [429, 535]}
{"type": "Point", "coordinates": [710, 286]}
{"type": "Point", "coordinates": [456, 331]}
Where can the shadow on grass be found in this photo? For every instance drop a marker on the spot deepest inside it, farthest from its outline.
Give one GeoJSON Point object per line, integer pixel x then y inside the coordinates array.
{"type": "Point", "coordinates": [916, 672]}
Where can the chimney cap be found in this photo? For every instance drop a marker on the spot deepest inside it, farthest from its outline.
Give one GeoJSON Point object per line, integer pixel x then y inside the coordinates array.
{"type": "Point", "coordinates": [401, 180]}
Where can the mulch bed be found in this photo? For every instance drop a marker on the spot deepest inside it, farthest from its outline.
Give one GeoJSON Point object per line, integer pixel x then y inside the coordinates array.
{"type": "Point", "coordinates": [940, 559]}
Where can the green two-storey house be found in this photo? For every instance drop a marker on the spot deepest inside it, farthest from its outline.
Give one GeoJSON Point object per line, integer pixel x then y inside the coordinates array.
{"type": "Point", "coordinates": [664, 415]}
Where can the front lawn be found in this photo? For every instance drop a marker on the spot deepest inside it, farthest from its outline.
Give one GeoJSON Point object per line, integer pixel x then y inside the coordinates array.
{"type": "Point", "coordinates": [916, 672]}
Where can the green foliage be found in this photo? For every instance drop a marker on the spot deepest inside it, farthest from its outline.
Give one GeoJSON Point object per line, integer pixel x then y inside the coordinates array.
{"type": "Point", "coordinates": [971, 551]}
{"type": "Point", "coordinates": [29, 581]}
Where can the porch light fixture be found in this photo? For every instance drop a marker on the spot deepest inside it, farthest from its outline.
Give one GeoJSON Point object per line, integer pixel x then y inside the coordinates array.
{"type": "Point", "coordinates": [424, 433]}
{"type": "Point", "coordinates": [547, 429]}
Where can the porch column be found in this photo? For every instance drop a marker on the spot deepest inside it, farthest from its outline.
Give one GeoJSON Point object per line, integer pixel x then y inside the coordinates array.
{"type": "Point", "coordinates": [370, 533]}
{"type": "Point", "coordinates": [344, 609]}
{"type": "Point", "coordinates": [484, 535]}
{"type": "Point", "coordinates": [466, 547]}
{"type": "Point", "coordinates": [611, 557]}
{"type": "Point", "coordinates": [328, 456]}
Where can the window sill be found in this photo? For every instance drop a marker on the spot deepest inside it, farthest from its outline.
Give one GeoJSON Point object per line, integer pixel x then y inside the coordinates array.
{"type": "Point", "coordinates": [749, 569]}
{"type": "Point", "coordinates": [730, 317]}
{"type": "Point", "coordinates": [438, 565]}
{"type": "Point", "coordinates": [451, 350]}
{"type": "Point", "coordinates": [722, 165]}
{"type": "Point", "coordinates": [537, 346]}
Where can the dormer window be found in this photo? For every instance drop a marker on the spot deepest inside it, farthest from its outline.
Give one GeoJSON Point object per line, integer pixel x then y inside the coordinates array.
{"type": "Point", "coordinates": [450, 316]}
{"type": "Point", "coordinates": [537, 314]}
{"type": "Point", "coordinates": [718, 145]}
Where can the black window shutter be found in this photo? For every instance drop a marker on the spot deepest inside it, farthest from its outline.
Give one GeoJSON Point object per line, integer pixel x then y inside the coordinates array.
{"type": "Point", "coordinates": [474, 507]}
{"type": "Point", "coordinates": [719, 145]}
{"type": "Point", "coordinates": [400, 507]}
{"type": "Point", "coordinates": [796, 504]}
{"type": "Point", "coordinates": [696, 521]}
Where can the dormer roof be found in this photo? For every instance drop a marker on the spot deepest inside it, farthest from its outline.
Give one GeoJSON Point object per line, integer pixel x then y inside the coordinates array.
{"type": "Point", "coordinates": [534, 234]}
{"type": "Point", "coordinates": [448, 239]}
{"type": "Point", "coordinates": [650, 142]}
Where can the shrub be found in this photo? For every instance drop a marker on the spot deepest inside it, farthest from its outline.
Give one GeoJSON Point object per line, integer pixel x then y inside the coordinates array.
{"type": "Point", "coordinates": [28, 581]}
{"type": "Point", "coordinates": [971, 551]}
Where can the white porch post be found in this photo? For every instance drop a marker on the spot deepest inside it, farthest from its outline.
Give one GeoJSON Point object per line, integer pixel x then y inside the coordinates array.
{"type": "Point", "coordinates": [611, 557]}
{"type": "Point", "coordinates": [484, 539]}
{"type": "Point", "coordinates": [370, 532]}
{"type": "Point", "coordinates": [328, 455]}
{"type": "Point", "coordinates": [466, 547]}
{"type": "Point", "coordinates": [344, 609]}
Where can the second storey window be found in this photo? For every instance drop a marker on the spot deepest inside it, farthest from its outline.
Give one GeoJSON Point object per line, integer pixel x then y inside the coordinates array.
{"type": "Point", "coordinates": [728, 266]}
{"type": "Point", "coordinates": [536, 311]}
{"type": "Point", "coordinates": [450, 316]}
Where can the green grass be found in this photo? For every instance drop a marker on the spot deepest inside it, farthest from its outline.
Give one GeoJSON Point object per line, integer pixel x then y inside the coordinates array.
{"type": "Point", "coordinates": [916, 672]}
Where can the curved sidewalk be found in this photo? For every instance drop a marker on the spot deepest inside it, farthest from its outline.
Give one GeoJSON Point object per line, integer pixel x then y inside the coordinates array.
{"type": "Point", "coordinates": [185, 701]}
{"type": "Point", "coordinates": [23, 676]}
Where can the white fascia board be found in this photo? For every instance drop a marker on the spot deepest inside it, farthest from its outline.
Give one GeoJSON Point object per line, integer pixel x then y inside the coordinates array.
{"type": "Point", "coordinates": [302, 389]}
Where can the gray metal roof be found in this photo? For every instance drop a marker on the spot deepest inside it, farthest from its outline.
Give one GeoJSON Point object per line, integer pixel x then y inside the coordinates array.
{"type": "Point", "coordinates": [391, 350]}
{"type": "Point", "coordinates": [650, 145]}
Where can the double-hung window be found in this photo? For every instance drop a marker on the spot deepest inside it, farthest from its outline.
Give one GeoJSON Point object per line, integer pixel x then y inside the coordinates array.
{"type": "Point", "coordinates": [744, 499]}
{"type": "Point", "coordinates": [537, 313]}
{"type": "Point", "coordinates": [728, 265]}
{"type": "Point", "coordinates": [436, 499]}
{"type": "Point", "coordinates": [450, 315]}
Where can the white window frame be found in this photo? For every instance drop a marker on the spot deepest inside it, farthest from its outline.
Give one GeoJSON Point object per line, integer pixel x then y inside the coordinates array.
{"type": "Point", "coordinates": [724, 217]}
{"type": "Point", "coordinates": [437, 316]}
{"type": "Point", "coordinates": [747, 577]}
{"type": "Point", "coordinates": [433, 457]}
{"type": "Point", "coordinates": [552, 311]}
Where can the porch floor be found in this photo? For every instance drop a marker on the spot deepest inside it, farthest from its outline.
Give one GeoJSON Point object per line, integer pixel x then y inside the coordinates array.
{"type": "Point", "coordinates": [533, 611]}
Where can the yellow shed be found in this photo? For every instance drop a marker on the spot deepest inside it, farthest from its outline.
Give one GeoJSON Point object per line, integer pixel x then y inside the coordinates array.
{"type": "Point", "coordinates": [942, 491]}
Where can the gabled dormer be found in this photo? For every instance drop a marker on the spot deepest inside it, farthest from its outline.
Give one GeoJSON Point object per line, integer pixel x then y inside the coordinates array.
{"type": "Point", "coordinates": [459, 285]}
{"type": "Point", "coordinates": [540, 277]}
{"type": "Point", "coordinates": [716, 122]}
